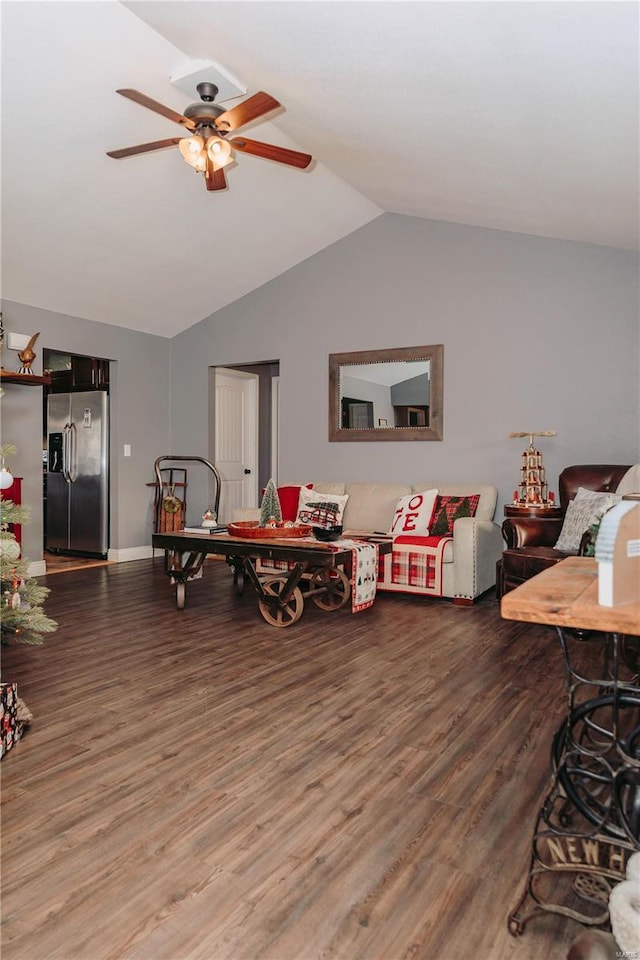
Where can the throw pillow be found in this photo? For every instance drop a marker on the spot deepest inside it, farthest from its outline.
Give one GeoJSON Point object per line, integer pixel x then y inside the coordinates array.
{"type": "Point", "coordinates": [449, 509]}
{"type": "Point", "coordinates": [289, 497]}
{"type": "Point", "coordinates": [581, 514]}
{"type": "Point", "coordinates": [321, 509]}
{"type": "Point", "coordinates": [412, 517]}
{"type": "Point", "coordinates": [583, 493]}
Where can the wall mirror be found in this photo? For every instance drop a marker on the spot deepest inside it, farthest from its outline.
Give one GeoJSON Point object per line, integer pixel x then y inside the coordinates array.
{"type": "Point", "coordinates": [386, 394]}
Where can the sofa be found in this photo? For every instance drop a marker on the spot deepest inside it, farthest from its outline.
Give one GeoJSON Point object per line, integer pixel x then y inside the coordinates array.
{"type": "Point", "coordinates": [460, 567]}
{"type": "Point", "coordinates": [530, 542]}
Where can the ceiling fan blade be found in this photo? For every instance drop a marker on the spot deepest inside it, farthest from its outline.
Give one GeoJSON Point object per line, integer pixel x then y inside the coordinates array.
{"type": "Point", "coordinates": [160, 108]}
{"type": "Point", "coordinates": [215, 179]}
{"type": "Point", "coordinates": [143, 148]}
{"type": "Point", "coordinates": [270, 152]}
{"type": "Point", "coordinates": [256, 106]}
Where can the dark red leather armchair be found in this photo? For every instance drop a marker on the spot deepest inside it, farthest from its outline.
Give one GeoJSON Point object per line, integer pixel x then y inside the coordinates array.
{"type": "Point", "coordinates": [530, 541]}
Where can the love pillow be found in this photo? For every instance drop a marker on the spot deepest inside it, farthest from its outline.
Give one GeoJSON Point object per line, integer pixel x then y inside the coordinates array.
{"type": "Point", "coordinates": [412, 517]}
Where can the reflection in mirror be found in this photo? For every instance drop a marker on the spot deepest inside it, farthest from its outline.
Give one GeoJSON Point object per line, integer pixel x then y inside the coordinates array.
{"type": "Point", "coordinates": [383, 395]}
{"type": "Point", "coordinates": [386, 394]}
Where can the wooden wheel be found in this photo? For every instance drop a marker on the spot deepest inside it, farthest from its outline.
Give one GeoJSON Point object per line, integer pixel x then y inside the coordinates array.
{"type": "Point", "coordinates": [288, 613]}
{"type": "Point", "coordinates": [336, 589]}
{"type": "Point", "coordinates": [238, 579]}
{"type": "Point", "coordinates": [181, 593]}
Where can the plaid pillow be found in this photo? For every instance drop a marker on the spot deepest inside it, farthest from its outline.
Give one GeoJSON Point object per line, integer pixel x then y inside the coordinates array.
{"type": "Point", "coordinates": [449, 509]}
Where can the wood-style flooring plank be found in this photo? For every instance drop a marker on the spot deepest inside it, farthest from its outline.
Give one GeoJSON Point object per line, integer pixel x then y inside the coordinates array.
{"type": "Point", "coordinates": [198, 785]}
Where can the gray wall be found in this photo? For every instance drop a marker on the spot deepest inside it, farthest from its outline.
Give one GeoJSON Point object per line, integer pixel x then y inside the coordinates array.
{"type": "Point", "coordinates": [380, 395]}
{"type": "Point", "coordinates": [415, 392]}
{"type": "Point", "coordinates": [538, 334]}
{"type": "Point", "coordinates": [139, 406]}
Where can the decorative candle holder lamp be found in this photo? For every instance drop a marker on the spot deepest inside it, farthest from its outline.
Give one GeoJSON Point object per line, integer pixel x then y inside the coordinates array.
{"type": "Point", "coordinates": [533, 490]}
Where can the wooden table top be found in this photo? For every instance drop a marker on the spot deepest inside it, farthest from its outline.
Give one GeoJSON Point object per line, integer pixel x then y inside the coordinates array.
{"type": "Point", "coordinates": [305, 549]}
{"type": "Point", "coordinates": [566, 595]}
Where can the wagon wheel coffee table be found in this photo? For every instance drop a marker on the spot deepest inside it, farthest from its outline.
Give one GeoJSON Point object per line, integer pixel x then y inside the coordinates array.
{"type": "Point", "coordinates": [321, 571]}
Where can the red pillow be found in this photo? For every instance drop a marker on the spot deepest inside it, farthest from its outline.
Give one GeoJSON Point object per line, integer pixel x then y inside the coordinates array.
{"type": "Point", "coordinates": [289, 497]}
{"type": "Point", "coordinates": [448, 509]}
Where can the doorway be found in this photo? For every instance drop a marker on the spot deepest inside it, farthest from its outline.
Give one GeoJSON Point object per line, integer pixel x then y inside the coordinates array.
{"type": "Point", "coordinates": [243, 431]}
{"type": "Point", "coordinates": [75, 458]}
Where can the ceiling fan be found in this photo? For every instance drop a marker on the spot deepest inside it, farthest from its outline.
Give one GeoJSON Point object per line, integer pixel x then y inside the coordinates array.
{"type": "Point", "coordinates": [206, 147]}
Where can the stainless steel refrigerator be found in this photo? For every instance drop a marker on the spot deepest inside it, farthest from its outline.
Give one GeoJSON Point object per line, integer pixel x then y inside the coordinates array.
{"type": "Point", "coordinates": [77, 481]}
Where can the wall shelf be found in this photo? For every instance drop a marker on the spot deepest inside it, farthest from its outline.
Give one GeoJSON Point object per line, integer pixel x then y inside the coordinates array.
{"type": "Point", "coordinates": [28, 379]}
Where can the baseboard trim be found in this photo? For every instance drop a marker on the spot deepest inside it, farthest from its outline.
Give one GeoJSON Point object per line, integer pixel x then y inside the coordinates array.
{"type": "Point", "coordinates": [130, 553]}
{"type": "Point", "coordinates": [37, 568]}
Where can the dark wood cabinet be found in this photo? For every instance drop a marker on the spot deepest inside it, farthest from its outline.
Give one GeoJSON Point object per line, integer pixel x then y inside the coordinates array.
{"type": "Point", "coordinates": [85, 373]}
{"type": "Point", "coordinates": [89, 373]}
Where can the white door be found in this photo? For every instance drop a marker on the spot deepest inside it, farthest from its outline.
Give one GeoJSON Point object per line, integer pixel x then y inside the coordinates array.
{"type": "Point", "coordinates": [236, 439]}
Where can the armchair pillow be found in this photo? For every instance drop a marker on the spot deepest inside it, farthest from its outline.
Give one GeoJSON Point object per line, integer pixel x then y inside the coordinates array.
{"type": "Point", "coordinates": [586, 509]}
{"type": "Point", "coordinates": [449, 509]}
{"type": "Point", "coordinates": [321, 509]}
{"type": "Point", "coordinates": [412, 517]}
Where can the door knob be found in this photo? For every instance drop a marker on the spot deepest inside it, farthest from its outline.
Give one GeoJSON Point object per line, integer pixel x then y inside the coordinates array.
{"type": "Point", "coordinates": [246, 470]}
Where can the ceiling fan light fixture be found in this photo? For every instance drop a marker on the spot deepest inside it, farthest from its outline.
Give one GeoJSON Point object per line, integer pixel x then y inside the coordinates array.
{"type": "Point", "coordinates": [206, 124]}
{"type": "Point", "coordinates": [219, 152]}
{"type": "Point", "coordinates": [191, 149]}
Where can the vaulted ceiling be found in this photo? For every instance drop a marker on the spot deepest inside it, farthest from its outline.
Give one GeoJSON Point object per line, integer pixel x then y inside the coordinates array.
{"type": "Point", "coordinates": [515, 116]}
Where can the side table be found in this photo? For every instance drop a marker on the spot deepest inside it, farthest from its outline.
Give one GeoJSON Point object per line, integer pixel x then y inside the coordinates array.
{"type": "Point", "coordinates": [538, 514]}
{"type": "Point", "coordinates": [589, 823]}
{"type": "Point", "coordinates": [534, 510]}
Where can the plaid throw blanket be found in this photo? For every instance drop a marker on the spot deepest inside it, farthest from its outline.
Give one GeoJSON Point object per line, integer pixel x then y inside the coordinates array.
{"type": "Point", "coordinates": [414, 565]}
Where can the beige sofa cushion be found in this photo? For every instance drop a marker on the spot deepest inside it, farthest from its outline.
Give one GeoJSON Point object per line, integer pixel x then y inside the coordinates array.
{"type": "Point", "coordinates": [371, 506]}
{"type": "Point", "coordinates": [323, 486]}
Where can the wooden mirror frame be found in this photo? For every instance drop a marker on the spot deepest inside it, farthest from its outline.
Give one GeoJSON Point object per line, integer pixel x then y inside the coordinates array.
{"type": "Point", "coordinates": [433, 353]}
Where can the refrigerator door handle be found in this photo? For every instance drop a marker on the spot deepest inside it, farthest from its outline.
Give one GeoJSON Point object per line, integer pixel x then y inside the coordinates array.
{"type": "Point", "coordinates": [73, 453]}
{"type": "Point", "coordinates": [66, 452]}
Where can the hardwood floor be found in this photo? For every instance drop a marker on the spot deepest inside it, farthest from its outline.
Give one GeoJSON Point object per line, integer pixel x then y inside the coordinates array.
{"type": "Point", "coordinates": [61, 563]}
{"type": "Point", "coordinates": [198, 785]}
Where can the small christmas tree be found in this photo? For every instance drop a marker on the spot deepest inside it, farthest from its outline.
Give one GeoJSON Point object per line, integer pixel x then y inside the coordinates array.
{"type": "Point", "coordinates": [270, 509]}
{"type": "Point", "coordinates": [21, 615]}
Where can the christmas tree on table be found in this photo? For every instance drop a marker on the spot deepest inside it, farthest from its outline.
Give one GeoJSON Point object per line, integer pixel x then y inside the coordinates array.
{"type": "Point", "coordinates": [270, 509]}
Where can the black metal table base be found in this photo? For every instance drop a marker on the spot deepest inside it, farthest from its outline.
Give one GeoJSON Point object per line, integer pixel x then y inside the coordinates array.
{"type": "Point", "coordinates": [280, 597]}
{"type": "Point", "coordinates": [589, 823]}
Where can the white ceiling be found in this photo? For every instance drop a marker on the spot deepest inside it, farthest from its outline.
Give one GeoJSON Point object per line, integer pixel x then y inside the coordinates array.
{"type": "Point", "coordinates": [519, 116]}
{"type": "Point", "coordinates": [386, 373]}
